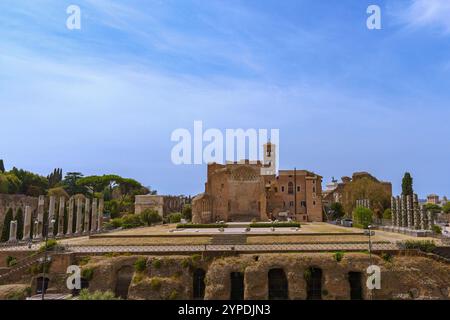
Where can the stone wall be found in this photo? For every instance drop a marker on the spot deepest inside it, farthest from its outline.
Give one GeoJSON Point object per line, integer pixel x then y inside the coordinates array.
{"type": "Point", "coordinates": [16, 201]}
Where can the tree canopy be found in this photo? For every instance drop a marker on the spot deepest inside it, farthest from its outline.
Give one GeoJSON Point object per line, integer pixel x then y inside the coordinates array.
{"type": "Point", "coordinates": [407, 185]}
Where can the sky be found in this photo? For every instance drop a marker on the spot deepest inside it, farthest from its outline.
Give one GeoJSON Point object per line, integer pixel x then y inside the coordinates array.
{"type": "Point", "coordinates": [106, 98]}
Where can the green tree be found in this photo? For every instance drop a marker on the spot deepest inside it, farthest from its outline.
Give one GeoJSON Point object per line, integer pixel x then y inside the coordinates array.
{"type": "Point", "coordinates": [387, 214]}
{"type": "Point", "coordinates": [150, 216]}
{"type": "Point", "coordinates": [362, 217]}
{"type": "Point", "coordinates": [434, 208]}
{"type": "Point", "coordinates": [19, 219]}
{"type": "Point", "coordinates": [31, 183]}
{"type": "Point", "coordinates": [6, 225]}
{"type": "Point", "coordinates": [446, 207]}
{"type": "Point", "coordinates": [70, 183]}
{"type": "Point", "coordinates": [55, 178]}
{"type": "Point", "coordinates": [187, 211]}
{"type": "Point", "coordinates": [407, 185]}
{"type": "Point", "coordinates": [2, 166]}
{"type": "Point", "coordinates": [337, 211]}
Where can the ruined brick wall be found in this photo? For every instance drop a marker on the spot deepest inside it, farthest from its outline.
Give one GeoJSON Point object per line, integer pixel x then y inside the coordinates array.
{"type": "Point", "coordinates": [16, 201]}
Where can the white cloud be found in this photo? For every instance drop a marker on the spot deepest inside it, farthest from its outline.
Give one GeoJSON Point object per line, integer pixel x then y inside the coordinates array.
{"type": "Point", "coordinates": [428, 13]}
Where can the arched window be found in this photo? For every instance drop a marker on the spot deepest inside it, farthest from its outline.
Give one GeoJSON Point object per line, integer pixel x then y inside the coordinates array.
{"type": "Point", "coordinates": [290, 188]}
{"type": "Point", "coordinates": [314, 284]}
{"type": "Point", "coordinates": [237, 286]}
{"type": "Point", "coordinates": [198, 284]}
{"type": "Point", "coordinates": [41, 284]}
{"type": "Point", "coordinates": [355, 280]}
{"type": "Point", "coordinates": [278, 285]}
{"type": "Point", "coordinates": [124, 276]}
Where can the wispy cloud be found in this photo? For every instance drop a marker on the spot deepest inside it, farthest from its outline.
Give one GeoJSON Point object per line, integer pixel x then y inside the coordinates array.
{"type": "Point", "coordinates": [427, 13]}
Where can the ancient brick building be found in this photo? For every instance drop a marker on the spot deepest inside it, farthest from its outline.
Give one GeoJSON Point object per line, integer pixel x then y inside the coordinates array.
{"type": "Point", "coordinates": [251, 190]}
{"type": "Point", "coordinates": [162, 203]}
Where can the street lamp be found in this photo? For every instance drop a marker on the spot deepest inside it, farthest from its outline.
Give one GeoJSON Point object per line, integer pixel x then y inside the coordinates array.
{"type": "Point", "coordinates": [46, 225]}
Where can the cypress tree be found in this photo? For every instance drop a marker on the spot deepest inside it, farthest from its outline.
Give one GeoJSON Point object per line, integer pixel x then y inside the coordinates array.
{"type": "Point", "coordinates": [19, 219]}
{"type": "Point", "coordinates": [407, 185]}
{"type": "Point", "coordinates": [2, 166]}
{"type": "Point", "coordinates": [6, 225]}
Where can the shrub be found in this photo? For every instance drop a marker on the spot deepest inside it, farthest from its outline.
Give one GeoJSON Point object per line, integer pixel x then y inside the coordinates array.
{"type": "Point", "coordinates": [116, 223]}
{"type": "Point", "coordinates": [187, 212]}
{"type": "Point", "coordinates": [275, 225]}
{"type": "Point", "coordinates": [140, 265]}
{"type": "Point", "coordinates": [387, 214]}
{"type": "Point", "coordinates": [211, 225]}
{"type": "Point", "coordinates": [51, 244]}
{"type": "Point", "coordinates": [97, 295]}
{"type": "Point", "coordinates": [11, 261]}
{"type": "Point", "coordinates": [131, 221]}
{"type": "Point", "coordinates": [155, 284]}
{"type": "Point", "coordinates": [173, 295]}
{"type": "Point", "coordinates": [362, 217]}
{"type": "Point", "coordinates": [149, 217]}
{"type": "Point", "coordinates": [338, 256]}
{"type": "Point", "coordinates": [437, 229]}
{"type": "Point", "coordinates": [84, 261]}
{"type": "Point", "coordinates": [387, 257]}
{"type": "Point", "coordinates": [174, 217]}
{"type": "Point", "coordinates": [156, 264]}
{"type": "Point", "coordinates": [422, 245]}
{"type": "Point", "coordinates": [87, 273]}
{"type": "Point", "coordinates": [446, 207]}
{"type": "Point", "coordinates": [138, 277]}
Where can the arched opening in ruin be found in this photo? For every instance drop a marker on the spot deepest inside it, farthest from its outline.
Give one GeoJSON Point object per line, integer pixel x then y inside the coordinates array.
{"type": "Point", "coordinates": [355, 280]}
{"type": "Point", "coordinates": [42, 284]}
{"type": "Point", "coordinates": [198, 284]}
{"type": "Point", "coordinates": [314, 284]}
{"type": "Point", "coordinates": [123, 281]}
{"type": "Point", "coordinates": [84, 285]}
{"type": "Point", "coordinates": [237, 286]}
{"type": "Point", "coordinates": [278, 285]}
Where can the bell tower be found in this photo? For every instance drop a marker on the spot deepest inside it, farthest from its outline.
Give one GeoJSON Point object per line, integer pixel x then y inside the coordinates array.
{"type": "Point", "coordinates": [269, 162]}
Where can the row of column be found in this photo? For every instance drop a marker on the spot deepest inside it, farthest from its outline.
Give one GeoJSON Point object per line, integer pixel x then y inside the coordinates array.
{"type": "Point", "coordinates": [363, 203]}
{"type": "Point", "coordinates": [92, 213]}
{"type": "Point", "coordinates": [407, 213]}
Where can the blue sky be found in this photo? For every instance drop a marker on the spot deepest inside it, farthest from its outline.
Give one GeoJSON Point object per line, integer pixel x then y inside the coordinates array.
{"type": "Point", "coordinates": [106, 98]}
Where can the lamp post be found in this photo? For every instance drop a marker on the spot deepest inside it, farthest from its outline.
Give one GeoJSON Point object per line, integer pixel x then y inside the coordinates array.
{"type": "Point", "coordinates": [45, 257]}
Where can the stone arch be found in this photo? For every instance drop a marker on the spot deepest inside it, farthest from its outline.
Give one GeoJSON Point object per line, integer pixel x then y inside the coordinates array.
{"type": "Point", "coordinates": [198, 284]}
{"type": "Point", "coordinates": [314, 284]}
{"type": "Point", "coordinates": [42, 284]}
{"type": "Point", "coordinates": [123, 281]}
{"type": "Point", "coordinates": [355, 282]}
{"type": "Point", "coordinates": [237, 286]}
{"type": "Point", "coordinates": [278, 284]}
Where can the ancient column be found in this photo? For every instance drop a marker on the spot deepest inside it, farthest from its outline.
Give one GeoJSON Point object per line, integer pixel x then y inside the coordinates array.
{"type": "Point", "coordinates": [13, 231]}
{"type": "Point", "coordinates": [409, 212]}
{"type": "Point", "coordinates": [94, 215]}
{"type": "Point", "coordinates": [398, 211]}
{"type": "Point", "coordinates": [416, 212]}
{"type": "Point", "coordinates": [62, 205]}
{"type": "Point", "coordinates": [38, 228]}
{"type": "Point", "coordinates": [51, 215]}
{"type": "Point", "coordinates": [393, 212]}
{"type": "Point", "coordinates": [27, 224]}
{"type": "Point", "coordinates": [101, 205]}
{"type": "Point", "coordinates": [404, 212]}
{"type": "Point", "coordinates": [430, 220]}
{"type": "Point", "coordinates": [422, 219]}
{"type": "Point", "coordinates": [70, 217]}
{"type": "Point", "coordinates": [79, 216]}
{"type": "Point", "coordinates": [87, 212]}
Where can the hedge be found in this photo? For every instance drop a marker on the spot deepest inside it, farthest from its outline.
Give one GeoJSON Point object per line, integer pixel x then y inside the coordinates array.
{"type": "Point", "coordinates": [193, 225]}
{"type": "Point", "coordinates": [275, 225]}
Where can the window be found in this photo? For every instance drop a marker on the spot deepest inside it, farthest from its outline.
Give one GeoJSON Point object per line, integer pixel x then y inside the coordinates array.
{"type": "Point", "coordinates": [354, 278]}
{"type": "Point", "coordinates": [314, 284]}
{"type": "Point", "coordinates": [278, 285]}
{"type": "Point", "coordinates": [199, 284]}
{"type": "Point", "coordinates": [276, 189]}
{"type": "Point", "coordinates": [282, 188]}
{"type": "Point", "coordinates": [298, 188]}
{"type": "Point", "coordinates": [237, 286]}
{"type": "Point", "coordinates": [291, 203]}
{"type": "Point", "coordinates": [314, 189]}
{"type": "Point", "coordinates": [303, 204]}
{"type": "Point", "coordinates": [314, 203]}
{"type": "Point", "coordinates": [290, 188]}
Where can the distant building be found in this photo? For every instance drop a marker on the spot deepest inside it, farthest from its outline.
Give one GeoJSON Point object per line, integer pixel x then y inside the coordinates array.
{"type": "Point", "coordinates": [252, 190]}
{"type": "Point", "coordinates": [434, 199]}
{"type": "Point", "coordinates": [162, 203]}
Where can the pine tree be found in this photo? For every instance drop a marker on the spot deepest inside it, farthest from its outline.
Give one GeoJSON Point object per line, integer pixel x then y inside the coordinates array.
{"type": "Point", "coordinates": [407, 185]}
{"type": "Point", "coordinates": [2, 166]}
{"type": "Point", "coordinates": [19, 219]}
{"type": "Point", "coordinates": [6, 225]}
